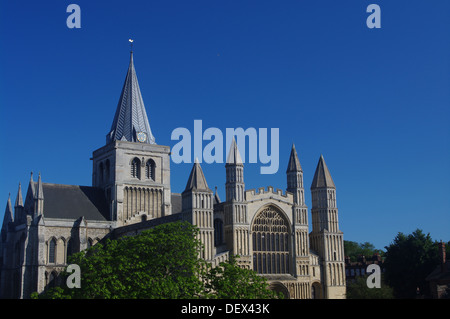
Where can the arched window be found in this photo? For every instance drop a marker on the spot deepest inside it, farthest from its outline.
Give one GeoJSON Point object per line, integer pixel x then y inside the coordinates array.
{"type": "Point", "coordinates": [271, 242]}
{"type": "Point", "coordinates": [150, 169]}
{"type": "Point", "coordinates": [136, 168]}
{"type": "Point", "coordinates": [52, 251]}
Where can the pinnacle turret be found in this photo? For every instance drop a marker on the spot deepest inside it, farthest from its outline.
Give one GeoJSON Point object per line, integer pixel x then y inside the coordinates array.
{"type": "Point", "coordinates": [197, 180]}
{"type": "Point", "coordinates": [322, 177]}
{"type": "Point", "coordinates": [294, 163]}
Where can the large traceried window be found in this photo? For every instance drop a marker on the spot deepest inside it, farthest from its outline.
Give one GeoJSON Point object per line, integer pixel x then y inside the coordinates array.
{"type": "Point", "coordinates": [270, 235]}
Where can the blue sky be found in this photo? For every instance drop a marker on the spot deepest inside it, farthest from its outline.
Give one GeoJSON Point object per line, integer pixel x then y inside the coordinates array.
{"type": "Point", "coordinates": [374, 102]}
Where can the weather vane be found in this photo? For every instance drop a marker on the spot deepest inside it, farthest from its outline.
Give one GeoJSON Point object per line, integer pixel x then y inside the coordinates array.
{"type": "Point", "coordinates": [131, 44]}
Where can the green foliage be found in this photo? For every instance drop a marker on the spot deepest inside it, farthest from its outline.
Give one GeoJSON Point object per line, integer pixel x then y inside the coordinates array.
{"type": "Point", "coordinates": [160, 263]}
{"type": "Point", "coordinates": [52, 293]}
{"type": "Point", "coordinates": [354, 249]}
{"type": "Point", "coordinates": [359, 290]}
{"type": "Point", "coordinates": [229, 281]}
{"type": "Point", "coordinates": [409, 260]}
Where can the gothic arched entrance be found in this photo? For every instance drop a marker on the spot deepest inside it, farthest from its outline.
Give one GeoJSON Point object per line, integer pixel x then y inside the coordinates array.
{"type": "Point", "coordinates": [278, 287]}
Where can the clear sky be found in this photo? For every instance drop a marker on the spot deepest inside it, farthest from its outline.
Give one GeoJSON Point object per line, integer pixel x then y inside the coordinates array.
{"type": "Point", "coordinates": [374, 102]}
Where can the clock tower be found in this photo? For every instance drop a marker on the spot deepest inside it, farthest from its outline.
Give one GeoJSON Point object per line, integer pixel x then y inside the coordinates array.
{"type": "Point", "coordinates": [131, 168]}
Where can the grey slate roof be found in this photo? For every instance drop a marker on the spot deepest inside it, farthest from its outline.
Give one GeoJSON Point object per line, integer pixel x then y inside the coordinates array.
{"type": "Point", "coordinates": [294, 163]}
{"type": "Point", "coordinates": [73, 201]}
{"type": "Point", "coordinates": [131, 117]}
{"type": "Point", "coordinates": [322, 177]}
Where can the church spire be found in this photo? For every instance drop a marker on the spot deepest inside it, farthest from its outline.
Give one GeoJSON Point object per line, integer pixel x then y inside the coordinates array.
{"type": "Point", "coordinates": [234, 185]}
{"type": "Point", "coordinates": [294, 163]}
{"type": "Point", "coordinates": [197, 180]}
{"type": "Point", "coordinates": [322, 177]}
{"type": "Point", "coordinates": [234, 157]}
{"type": "Point", "coordinates": [130, 121]}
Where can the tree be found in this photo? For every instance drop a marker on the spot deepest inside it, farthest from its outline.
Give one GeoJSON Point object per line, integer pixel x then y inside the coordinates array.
{"type": "Point", "coordinates": [160, 263]}
{"type": "Point", "coordinates": [229, 281]}
{"type": "Point", "coordinates": [359, 290]}
{"type": "Point", "coordinates": [409, 259]}
{"type": "Point", "coordinates": [353, 249]}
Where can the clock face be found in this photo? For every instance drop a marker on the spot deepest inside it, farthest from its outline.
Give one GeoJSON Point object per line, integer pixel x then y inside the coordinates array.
{"type": "Point", "coordinates": [142, 137]}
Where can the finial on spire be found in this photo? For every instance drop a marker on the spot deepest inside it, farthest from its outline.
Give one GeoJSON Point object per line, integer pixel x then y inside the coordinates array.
{"type": "Point", "coordinates": [131, 45]}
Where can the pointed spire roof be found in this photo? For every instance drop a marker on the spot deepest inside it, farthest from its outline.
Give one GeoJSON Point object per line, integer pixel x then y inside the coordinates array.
{"type": "Point", "coordinates": [9, 216]}
{"type": "Point", "coordinates": [131, 120]}
{"type": "Point", "coordinates": [31, 185]}
{"type": "Point", "coordinates": [39, 190]}
{"type": "Point", "coordinates": [294, 163]}
{"type": "Point", "coordinates": [19, 199]}
{"type": "Point", "coordinates": [322, 177]}
{"type": "Point", "coordinates": [234, 157]}
{"type": "Point", "coordinates": [197, 180]}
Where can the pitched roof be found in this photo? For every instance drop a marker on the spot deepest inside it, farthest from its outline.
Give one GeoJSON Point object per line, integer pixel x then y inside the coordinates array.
{"type": "Point", "coordinates": [73, 201]}
{"type": "Point", "coordinates": [234, 157]}
{"type": "Point", "coordinates": [294, 163]}
{"type": "Point", "coordinates": [322, 176]}
{"type": "Point", "coordinates": [131, 117]}
{"type": "Point", "coordinates": [197, 179]}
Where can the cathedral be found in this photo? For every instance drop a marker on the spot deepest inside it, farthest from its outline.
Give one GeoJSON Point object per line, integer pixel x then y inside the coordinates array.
{"type": "Point", "coordinates": [130, 192]}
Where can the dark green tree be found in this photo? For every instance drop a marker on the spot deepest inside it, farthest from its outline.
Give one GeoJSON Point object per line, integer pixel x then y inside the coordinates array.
{"type": "Point", "coordinates": [162, 262]}
{"type": "Point", "coordinates": [229, 281]}
{"type": "Point", "coordinates": [409, 260]}
{"type": "Point", "coordinates": [359, 290]}
{"type": "Point", "coordinates": [353, 249]}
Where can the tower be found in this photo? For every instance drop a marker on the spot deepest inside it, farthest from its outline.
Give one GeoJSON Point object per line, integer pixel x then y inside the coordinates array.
{"type": "Point", "coordinates": [294, 175]}
{"type": "Point", "coordinates": [326, 238]}
{"type": "Point", "coordinates": [197, 207]}
{"type": "Point", "coordinates": [131, 168]}
{"type": "Point", "coordinates": [236, 224]}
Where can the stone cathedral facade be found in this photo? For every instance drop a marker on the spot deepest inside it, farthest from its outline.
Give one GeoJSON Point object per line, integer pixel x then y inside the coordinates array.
{"type": "Point", "coordinates": [131, 191]}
